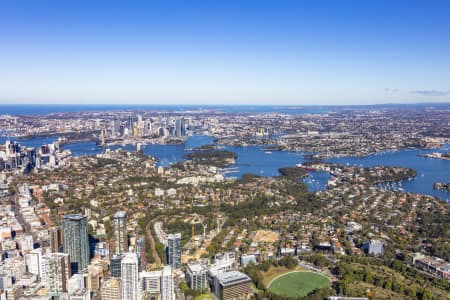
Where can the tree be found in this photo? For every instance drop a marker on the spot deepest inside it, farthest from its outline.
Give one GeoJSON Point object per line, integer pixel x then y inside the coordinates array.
{"type": "Point", "coordinates": [368, 277]}
{"type": "Point", "coordinates": [426, 295]}
{"type": "Point", "coordinates": [388, 284]}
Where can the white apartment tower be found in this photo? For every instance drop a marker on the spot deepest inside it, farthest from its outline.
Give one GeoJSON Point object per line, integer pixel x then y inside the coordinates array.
{"type": "Point", "coordinates": [130, 277]}
{"type": "Point", "coordinates": [167, 291]}
{"type": "Point", "coordinates": [56, 272]}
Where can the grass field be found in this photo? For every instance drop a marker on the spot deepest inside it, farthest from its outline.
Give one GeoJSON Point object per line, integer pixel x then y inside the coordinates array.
{"type": "Point", "coordinates": [277, 271]}
{"type": "Point", "coordinates": [272, 273]}
{"type": "Point", "coordinates": [204, 297]}
{"type": "Point", "coordinates": [297, 284]}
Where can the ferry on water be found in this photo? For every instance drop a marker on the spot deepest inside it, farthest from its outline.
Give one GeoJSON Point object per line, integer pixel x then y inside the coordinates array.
{"type": "Point", "coordinates": [306, 168]}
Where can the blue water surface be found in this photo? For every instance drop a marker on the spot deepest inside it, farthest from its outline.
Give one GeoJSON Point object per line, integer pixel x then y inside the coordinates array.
{"type": "Point", "coordinates": [253, 159]}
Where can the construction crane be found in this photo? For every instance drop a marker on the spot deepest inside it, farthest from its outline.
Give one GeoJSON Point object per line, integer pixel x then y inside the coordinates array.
{"type": "Point", "coordinates": [198, 220]}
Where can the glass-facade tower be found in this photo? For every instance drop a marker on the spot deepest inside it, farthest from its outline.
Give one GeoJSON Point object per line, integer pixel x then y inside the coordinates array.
{"type": "Point", "coordinates": [76, 242]}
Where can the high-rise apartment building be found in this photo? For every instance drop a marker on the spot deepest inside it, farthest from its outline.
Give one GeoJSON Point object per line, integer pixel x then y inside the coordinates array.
{"type": "Point", "coordinates": [167, 287]}
{"type": "Point", "coordinates": [76, 242]}
{"type": "Point", "coordinates": [120, 232]}
{"type": "Point", "coordinates": [174, 250]}
{"type": "Point", "coordinates": [56, 272]}
{"type": "Point", "coordinates": [56, 239]}
{"type": "Point", "coordinates": [140, 250]}
{"type": "Point", "coordinates": [115, 265]}
{"type": "Point", "coordinates": [130, 277]}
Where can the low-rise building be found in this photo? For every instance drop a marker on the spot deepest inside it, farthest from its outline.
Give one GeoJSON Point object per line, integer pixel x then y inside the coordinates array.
{"type": "Point", "coordinates": [196, 276]}
{"type": "Point", "coordinates": [111, 290]}
{"type": "Point", "coordinates": [151, 284]}
{"type": "Point", "coordinates": [232, 285]}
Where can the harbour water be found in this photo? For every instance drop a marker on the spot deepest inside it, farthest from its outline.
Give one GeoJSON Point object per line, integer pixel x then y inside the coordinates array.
{"type": "Point", "coordinates": [253, 159]}
{"type": "Point", "coordinates": [428, 170]}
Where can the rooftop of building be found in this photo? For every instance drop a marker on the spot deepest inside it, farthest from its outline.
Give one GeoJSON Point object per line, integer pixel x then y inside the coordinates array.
{"type": "Point", "coordinates": [111, 282]}
{"type": "Point", "coordinates": [74, 217]}
{"type": "Point", "coordinates": [120, 214]}
{"type": "Point", "coordinates": [151, 274]}
{"type": "Point", "coordinates": [195, 267]}
{"type": "Point", "coordinates": [174, 236]}
{"type": "Point", "coordinates": [232, 278]}
{"type": "Point", "coordinates": [129, 257]}
{"type": "Point", "coordinates": [117, 256]}
{"type": "Point", "coordinates": [167, 271]}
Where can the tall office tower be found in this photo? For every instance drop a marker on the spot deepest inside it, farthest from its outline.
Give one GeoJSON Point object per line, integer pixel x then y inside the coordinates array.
{"type": "Point", "coordinates": [130, 277]}
{"type": "Point", "coordinates": [167, 291]}
{"type": "Point", "coordinates": [121, 130]}
{"type": "Point", "coordinates": [130, 123]}
{"type": "Point", "coordinates": [116, 261]}
{"type": "Point", "coordinates": [120, 232]}
{"type": "Point", "coordinates": [183, 127]}
{"type": "Point", "coordinates": [140, 250]}
{"type": "Point", "coordinates": [178, 127]}
{"type": "Point", "coordinates": [76, 242]}
{"type": "Point", "coordinates": [174, 250]}
{"type": "Point", "coordinates": [112, 128]}
{"type": "Point", "coordinates": [151, 285]}
{"type": "Point", "coordinates": [33, 261]}
{"type": "Point", "coordinates": [111, 290]}
{"type": "Point", "coordinates": [148, 127]}
{"type": "Point", "coordinates": [56, 272]}
{"type": "Point", "coordinates": [56, 239]}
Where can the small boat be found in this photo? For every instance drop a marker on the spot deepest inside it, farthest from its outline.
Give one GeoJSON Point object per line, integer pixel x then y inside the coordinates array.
{"type": "Point", "coordinates": [268, 152]}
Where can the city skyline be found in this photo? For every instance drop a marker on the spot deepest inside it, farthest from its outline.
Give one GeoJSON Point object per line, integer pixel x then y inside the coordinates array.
{"type": "Point", "coordinates": [254, 53]}
{"type": "Point", "coordinates": [164, 204]}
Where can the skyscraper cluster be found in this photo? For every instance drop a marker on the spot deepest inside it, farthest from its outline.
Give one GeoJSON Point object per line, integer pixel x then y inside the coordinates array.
{"type": "Point", "coordinates": [13, 156]}
{"type": "Point", "coordinates": [137, 126]}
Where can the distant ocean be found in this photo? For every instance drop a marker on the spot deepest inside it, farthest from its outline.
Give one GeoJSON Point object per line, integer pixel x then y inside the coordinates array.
{"type": "Point", "coordinates": [34, 109]}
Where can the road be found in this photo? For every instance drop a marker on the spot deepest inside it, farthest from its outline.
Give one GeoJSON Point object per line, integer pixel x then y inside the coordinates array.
{"type": "Point", "coordinates": [155, 255]}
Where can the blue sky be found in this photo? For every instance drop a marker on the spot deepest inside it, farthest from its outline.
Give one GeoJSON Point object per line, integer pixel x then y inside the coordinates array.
{"type": "Point", "coordinates": [224, 52]}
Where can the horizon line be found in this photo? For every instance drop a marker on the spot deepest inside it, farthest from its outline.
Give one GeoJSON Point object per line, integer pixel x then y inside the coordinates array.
{"type": "Point", "coordinates": [216, 105]}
